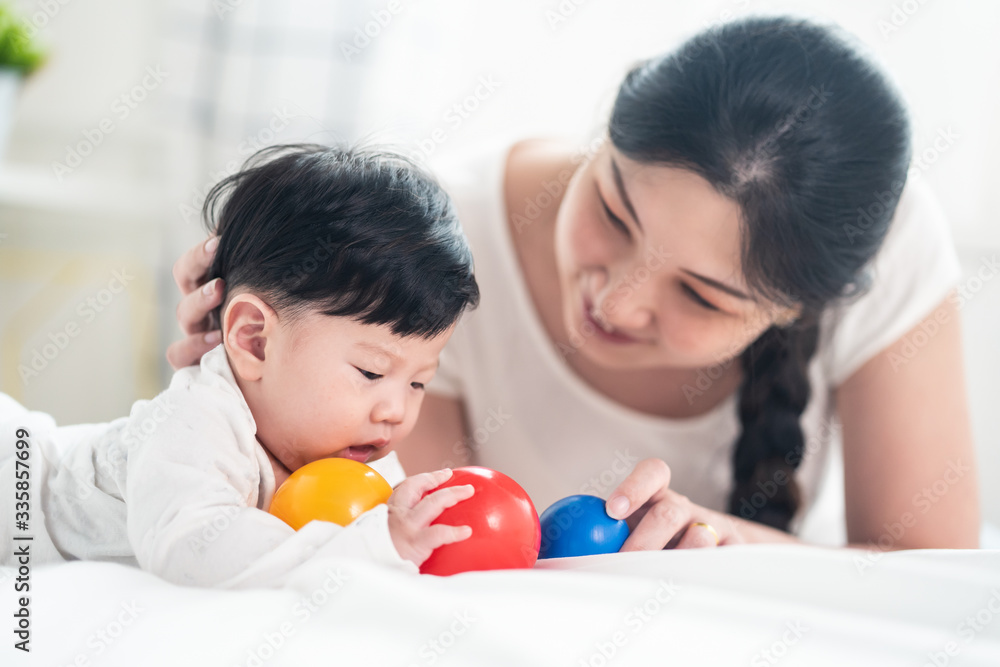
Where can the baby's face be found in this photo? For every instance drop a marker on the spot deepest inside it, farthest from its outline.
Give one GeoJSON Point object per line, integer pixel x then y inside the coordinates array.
{"type": "Point", "coordinates": [331, 386]}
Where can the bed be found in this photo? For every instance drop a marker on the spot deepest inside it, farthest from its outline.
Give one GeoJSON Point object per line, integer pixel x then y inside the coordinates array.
{"type": "Point", "coordinates": [738, 605]}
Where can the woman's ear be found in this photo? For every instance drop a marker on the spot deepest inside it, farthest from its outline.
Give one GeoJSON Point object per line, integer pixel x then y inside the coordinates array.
{"type": "Point", "coordinates": [248, 324]}
{"type": "Point", "coordinates": [787, 316]}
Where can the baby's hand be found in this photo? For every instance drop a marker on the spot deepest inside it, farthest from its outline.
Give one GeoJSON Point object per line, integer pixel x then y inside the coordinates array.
{"type": "Point", "coordinates": [411, 514]}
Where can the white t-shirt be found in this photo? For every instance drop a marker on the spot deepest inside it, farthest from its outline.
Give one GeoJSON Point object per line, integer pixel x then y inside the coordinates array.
{"type": "Point", "coordinates": [531, 416]}
{"type": "Point", "coordinates": [180, 487]}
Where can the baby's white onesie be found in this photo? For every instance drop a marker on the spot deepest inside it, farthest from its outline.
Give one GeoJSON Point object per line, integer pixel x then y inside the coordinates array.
{"type": "Point", "coordinates": [180, 487]}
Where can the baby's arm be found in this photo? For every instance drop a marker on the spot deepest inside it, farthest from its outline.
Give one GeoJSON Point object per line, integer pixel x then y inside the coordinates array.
{"type": "Point", "coordinates": [191, 491]}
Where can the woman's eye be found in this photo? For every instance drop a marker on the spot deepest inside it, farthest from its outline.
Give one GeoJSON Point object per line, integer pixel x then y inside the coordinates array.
{"type": "Point", "coordinates": [368, 374]}
{"type": "Point", "coordinates": [697, 298]}
{"type": "Point", "coordinates": [417, 385]}
{"type": "Point", "coordinates": [613, 219]}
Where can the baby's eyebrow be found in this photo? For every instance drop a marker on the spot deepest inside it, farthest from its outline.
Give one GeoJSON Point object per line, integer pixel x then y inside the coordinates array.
{"type": "Point", "coordinates": [381, 349]}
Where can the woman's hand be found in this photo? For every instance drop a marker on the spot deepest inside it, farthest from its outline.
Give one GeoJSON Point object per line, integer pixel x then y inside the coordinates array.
{"type": "Point", "coordinates": [195, 305]}
{"type": "Point", "coordinates": [660, 518]}
{"type": "Point", "coordinates": [411, 514]}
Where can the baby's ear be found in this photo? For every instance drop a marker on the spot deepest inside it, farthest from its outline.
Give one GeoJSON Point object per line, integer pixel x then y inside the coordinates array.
{"type": "Point", "coordinates": [248, 324]}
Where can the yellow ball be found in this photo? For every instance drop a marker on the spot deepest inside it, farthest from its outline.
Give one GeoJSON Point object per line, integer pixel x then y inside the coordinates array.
{"type": "Point", "coordinates": [337, 490]}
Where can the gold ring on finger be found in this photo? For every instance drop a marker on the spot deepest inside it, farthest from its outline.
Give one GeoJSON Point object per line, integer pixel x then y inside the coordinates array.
{"type": "Point", "coordinates": [710, 529]}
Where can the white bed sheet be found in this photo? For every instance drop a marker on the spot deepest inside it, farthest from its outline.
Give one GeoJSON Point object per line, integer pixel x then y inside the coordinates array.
{"type": "Point", "coordinates": [738, 605]}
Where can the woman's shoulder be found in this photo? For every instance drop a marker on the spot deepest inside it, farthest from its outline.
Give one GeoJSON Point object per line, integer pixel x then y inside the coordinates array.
{"type": "Point", "coordinates": [474, 167]}
{"type": "Point", "coordinates": [919, 220]}
{"type": "Point", "coordinates": [914, 270]}
{"type": "Point", "coordinates": [530, 161]}
{"type": "Point", "coordinates": [537, 172]}
{"type": "Point", "coordinates": [505, 170]}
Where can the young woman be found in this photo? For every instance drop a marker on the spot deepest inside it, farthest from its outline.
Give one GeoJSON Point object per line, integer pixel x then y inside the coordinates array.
{"type": "Point", "coordinates": [685, 321]}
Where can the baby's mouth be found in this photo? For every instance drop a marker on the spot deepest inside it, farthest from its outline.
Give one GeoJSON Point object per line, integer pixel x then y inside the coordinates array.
{"type": "Point", "coordinates": [360, 453]}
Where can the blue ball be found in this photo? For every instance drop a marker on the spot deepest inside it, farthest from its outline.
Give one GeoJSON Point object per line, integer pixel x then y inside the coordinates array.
{"type": "Point", "coordinates": [579, 526]}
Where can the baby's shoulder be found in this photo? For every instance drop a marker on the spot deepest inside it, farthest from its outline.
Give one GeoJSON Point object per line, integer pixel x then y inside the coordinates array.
{"type": "Point", "coordinates": [209, 387]}
{"type": "Point", "coordinates": [192, 410]}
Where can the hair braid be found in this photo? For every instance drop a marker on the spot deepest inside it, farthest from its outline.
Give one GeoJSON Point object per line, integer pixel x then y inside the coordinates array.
{"type": "Point", "coordinates": [789, 120]}
{"type": "Point", "coordinates": [774, 393]}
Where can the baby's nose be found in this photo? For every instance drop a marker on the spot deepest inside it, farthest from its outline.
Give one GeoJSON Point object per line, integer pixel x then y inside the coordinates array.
{"type": "Point", "coordinates": [391, 409]}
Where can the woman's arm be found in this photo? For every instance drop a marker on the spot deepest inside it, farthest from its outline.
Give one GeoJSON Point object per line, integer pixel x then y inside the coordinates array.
{"type": "Point", "coordinates": [438, 440]}
{"type": "Point", "coordinates": [910, 477]}
{"type": "Point", "coordinates": [909, 461]}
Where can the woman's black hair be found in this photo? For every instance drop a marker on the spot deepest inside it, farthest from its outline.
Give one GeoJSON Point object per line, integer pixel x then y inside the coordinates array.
{"type": "Point", "coordinates": [788, 120]}
{"type": "Point", "coordinates": [348, 232]}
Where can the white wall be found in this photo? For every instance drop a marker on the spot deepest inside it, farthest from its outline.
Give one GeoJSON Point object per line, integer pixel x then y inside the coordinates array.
{"type": "Point", "coordinates": [556, 65]}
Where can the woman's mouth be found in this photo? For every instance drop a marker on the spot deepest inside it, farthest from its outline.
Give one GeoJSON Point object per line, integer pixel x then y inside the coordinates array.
{"type": "Point", "coordinates": [603, 332]}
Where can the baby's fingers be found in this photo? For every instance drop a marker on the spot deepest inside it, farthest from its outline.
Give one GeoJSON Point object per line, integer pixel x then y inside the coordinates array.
{"type": "Point", "coordinates": [433, 504]}
{"type": "Point", "coordinates": [412, 489]}
{"type": "Point", "coordinates": [441, 534]}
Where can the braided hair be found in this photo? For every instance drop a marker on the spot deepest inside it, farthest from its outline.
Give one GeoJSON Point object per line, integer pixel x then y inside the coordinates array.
{"type": "Point", "coordinates": [788, 120]}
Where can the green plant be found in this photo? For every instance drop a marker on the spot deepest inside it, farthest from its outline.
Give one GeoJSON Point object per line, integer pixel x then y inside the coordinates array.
{"type": "Point", "coordinates": [18, 51]}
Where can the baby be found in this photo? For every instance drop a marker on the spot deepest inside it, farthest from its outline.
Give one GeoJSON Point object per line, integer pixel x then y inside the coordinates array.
{"type": "Point", "coordinates": [346, 272]}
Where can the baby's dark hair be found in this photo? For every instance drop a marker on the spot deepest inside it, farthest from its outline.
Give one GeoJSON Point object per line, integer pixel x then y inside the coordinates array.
{"type": "Point", "coordinates": [351, 232]}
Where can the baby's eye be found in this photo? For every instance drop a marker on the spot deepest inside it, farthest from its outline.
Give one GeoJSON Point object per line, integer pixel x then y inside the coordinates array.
{"type": "Point", "coordinates": [417, 385]}
{"type": "Point", "coordinates": [368, 374]}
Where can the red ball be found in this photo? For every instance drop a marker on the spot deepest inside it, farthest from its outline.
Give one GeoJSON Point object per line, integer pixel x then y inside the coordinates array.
{"type": "Point", "coordinates": [505, 529]}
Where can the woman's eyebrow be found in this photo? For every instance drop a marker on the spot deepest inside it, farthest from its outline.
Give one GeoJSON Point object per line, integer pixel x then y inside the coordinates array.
{"type": "Point", "coordinates": [620, 184]}
{"type": "Point", "coordinates": [720, 286]}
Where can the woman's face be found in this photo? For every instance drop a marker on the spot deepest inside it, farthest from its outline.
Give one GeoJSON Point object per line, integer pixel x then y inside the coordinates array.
{"type": "Point", "coordinates": [649, 264]}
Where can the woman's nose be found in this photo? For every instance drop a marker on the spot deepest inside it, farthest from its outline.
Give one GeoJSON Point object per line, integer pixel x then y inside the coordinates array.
{"type": "Point", "coordinates": [630, 317]}
{"type": "Point", "coordinates": [626, 305]}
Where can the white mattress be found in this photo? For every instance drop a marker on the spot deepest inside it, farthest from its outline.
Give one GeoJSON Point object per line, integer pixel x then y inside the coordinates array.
{"type": "Point", "coordinates": [739, 605]}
